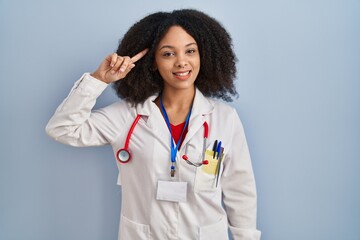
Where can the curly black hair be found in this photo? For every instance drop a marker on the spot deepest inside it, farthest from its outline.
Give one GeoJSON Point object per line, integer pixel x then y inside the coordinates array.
{"type": "Point", "coordinates": [217, 59]}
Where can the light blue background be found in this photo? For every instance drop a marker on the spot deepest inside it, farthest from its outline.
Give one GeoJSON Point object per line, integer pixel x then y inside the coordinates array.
{"type": "Point", "coordinates": [299, 86]}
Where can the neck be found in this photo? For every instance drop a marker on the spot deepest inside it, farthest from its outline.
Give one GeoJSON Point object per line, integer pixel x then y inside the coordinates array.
{"type": "Point", "coordinates": [177, 104]}
{"type": "Point", "coordinates": [179, 99]}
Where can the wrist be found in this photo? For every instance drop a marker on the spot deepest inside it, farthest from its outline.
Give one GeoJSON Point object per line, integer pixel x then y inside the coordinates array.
{"type": "Point", "coordinates": [98, 77]}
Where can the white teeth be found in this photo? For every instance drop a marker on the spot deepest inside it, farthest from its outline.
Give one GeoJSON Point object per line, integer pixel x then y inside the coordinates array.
{"type": "Point", "coordinates": [182, 74]}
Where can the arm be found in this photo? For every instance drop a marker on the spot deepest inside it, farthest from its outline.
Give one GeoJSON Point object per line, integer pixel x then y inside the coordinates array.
{"type": "Point", "coordinates": [238, 184]}
{"type": "Point", "coordinates": [74, 122]}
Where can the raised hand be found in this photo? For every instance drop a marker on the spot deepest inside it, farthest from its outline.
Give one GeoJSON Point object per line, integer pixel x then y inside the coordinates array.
{"type": "Point", "coordinates": [115, 67]}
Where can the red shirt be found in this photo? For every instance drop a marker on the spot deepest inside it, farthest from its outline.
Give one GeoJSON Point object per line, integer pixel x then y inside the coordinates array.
{"type": "Point", "coordinates": [176, 132]}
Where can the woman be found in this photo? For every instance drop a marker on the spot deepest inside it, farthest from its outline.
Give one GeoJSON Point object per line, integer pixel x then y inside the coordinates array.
{"type": "Point", "coordinates": [188, 152]}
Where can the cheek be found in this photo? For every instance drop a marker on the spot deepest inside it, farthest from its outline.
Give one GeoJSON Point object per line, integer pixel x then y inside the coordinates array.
{"type": "Point", "coordinates": [197, 65]}
{"type": "Point", "coordinates": [164, 66]}
{"type": "Point", "coordinates": [196, 62]}
{"type": "Point", "coordinates": [164, 72]}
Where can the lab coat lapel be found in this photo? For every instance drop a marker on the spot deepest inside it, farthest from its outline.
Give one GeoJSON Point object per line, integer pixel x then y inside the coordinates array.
{"type": "Point", "coordinates": [154, 119]}
{"type": "Point", "coordinates": [201, 107]}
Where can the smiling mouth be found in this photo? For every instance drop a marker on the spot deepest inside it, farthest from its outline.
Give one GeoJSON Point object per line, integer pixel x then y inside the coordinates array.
{"type": "Point", "coordinates": [182, 74]}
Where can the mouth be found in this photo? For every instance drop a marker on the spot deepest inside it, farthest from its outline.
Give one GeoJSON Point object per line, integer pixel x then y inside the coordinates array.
{"type": "Point", "coordinates": [182, 74]}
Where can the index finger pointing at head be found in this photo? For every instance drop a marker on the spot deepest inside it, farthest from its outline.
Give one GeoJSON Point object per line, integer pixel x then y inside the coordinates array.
{"type": "Point", "coordinates": [138, 56]}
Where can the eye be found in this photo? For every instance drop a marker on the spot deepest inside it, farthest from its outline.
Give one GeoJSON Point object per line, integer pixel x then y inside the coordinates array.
{"type": "Point", "coordinates": [191, 51]}
{"type": "Point", "coordinates": [168, 54]}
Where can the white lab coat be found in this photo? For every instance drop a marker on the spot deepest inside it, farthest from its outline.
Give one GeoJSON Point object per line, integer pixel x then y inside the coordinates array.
{"type": "Point", "coordinates": [142, 216]}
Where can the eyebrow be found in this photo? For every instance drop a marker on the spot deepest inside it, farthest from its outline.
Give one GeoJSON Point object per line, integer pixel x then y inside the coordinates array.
{"type": "Point", "coordinates": [172, 47]}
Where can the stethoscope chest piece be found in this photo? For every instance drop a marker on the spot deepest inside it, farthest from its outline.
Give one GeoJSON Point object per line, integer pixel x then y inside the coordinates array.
{"type": "Point", "coordinates": [123, 155]}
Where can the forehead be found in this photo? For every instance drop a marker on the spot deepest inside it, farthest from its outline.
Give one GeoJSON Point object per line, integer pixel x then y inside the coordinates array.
{"type": "Point", "coordinates": [176, 36]}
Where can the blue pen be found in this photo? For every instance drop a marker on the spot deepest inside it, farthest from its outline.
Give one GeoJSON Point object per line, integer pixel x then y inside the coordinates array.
{"type": "Point", "coordinates": [218, 150]}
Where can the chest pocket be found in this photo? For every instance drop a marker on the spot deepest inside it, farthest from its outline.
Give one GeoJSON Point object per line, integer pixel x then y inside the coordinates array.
{"type": "Point", "coordinates": [208, 176]}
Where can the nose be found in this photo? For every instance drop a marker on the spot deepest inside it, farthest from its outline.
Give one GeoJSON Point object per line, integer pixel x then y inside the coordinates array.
{"type": "Point", "coordinates": [181, 61]}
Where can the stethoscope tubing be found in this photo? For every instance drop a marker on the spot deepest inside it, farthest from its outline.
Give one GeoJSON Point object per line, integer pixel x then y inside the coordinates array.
{"type": "Point", "coordinates": [203, 161]}
{"type": "Point", "coordinates": [206, 135]}
{"type": "Point", "coordinates": [127, 141]}
{"type": "Point", "coordinates": [123, 155]}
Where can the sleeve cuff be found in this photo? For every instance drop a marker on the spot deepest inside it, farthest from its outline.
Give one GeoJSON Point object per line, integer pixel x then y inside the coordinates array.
{"type": "Point", "coordinates": [245, 234]}
{"type": "Point", "coordinates": [90, 84]}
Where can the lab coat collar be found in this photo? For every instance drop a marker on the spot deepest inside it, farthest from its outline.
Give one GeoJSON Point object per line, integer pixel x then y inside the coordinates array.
{"type": "Point", "coordinates": [201, 105]}
{"type": "Point", "coordinates": [147, 107]}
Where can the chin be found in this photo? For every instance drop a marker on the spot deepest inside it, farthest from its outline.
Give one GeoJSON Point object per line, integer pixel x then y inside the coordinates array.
{"type": "Point", "coordinates": [181, 86]}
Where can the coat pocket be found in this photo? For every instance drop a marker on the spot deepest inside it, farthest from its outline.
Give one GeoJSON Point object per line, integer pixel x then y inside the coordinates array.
{"type": "Point", "coordinates": [132, 230]}
{"type": "Point", "coordinates": [208, 176]}
{"type": "Point", "coordinates": [215, 231]}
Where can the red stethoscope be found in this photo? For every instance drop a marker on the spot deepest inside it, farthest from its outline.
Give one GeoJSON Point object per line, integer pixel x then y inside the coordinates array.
{"type": "Point", "coordinates": [123, 155]}
{"type": "Point", "coordinates": [203, 162]}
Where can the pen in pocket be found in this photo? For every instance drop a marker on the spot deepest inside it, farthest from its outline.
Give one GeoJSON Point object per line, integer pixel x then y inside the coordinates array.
{"type": "Point", "coordinates": [219, 165]}
{"type": "Point", "coordinates": [214, 148]}
{"type": "Point", "coordinates": [218, 150]}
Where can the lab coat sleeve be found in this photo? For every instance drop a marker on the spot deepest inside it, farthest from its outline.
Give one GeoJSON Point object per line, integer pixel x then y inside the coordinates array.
{"type": "Point", "coordinates": [238, 186]}
{"type": "Point", "coordinates": [74, 123]}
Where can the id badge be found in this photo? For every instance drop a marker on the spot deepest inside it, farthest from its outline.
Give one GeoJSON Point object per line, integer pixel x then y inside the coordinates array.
{"type": "Point", "coordinates": [171, 191]}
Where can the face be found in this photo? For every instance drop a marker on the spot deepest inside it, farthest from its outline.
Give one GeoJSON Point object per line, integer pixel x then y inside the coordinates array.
{"type": "Point", "coordinates": [177, 59]}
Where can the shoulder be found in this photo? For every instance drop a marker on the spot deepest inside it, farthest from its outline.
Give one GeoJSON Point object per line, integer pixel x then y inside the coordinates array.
{"type": "Point", "coordinates": [119, 106]}
{"type": "Point", "coordinates": [225, 114]}
{"type": "Point", "coordinates": [222, 108]}
{"type": "Point", "coordinates": [117, 111]}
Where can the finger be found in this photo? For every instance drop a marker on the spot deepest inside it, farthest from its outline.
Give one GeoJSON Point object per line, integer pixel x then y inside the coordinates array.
{"type": "Point", "coordinates": [131, 66]}
{"type": "Point", "coordinates": [116, 67]}
{"type": "Point", "coordinates": [128, 69]}
{"type": "Point", "coordinates": [125, 64]}
{"type": "Point", "coordinates": [113, 59]}
{"type": "Point", "coordinates": [138, 56]}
